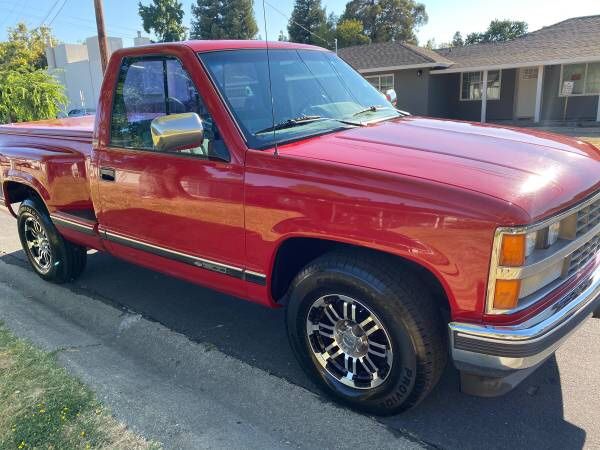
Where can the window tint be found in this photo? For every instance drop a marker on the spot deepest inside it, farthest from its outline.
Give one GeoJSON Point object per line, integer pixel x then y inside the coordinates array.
{"type": "Point", "coordinates": [303, 82]}
{"type": "Point", "coordinates": [150, 88]}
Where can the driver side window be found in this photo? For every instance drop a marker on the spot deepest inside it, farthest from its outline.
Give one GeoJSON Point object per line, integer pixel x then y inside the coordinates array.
{"type": "Point", "coordinates": [148, 88]}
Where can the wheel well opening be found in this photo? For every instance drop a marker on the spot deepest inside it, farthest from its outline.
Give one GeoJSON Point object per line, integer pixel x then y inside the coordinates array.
{"type": "Point", "coordinates": [295, 253]}
{"type": "Point", "coordinates": [18, 192]}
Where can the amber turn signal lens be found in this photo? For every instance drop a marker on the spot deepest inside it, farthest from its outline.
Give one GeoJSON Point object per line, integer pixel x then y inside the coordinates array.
{"type": "Point", "coordinates": [512, 252]}
{"type": "Point", "coordinates": [506, 295]}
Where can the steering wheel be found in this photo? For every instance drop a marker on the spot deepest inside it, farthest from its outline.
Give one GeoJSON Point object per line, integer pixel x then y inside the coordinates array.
{"type": "Point", "coordinates": [179, 105]}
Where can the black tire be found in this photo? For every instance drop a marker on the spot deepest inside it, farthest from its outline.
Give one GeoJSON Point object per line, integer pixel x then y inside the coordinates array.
{"type": "Point", "coordinates": [65, 261]}
{"type": "Point", "coordinates": [400, 302]}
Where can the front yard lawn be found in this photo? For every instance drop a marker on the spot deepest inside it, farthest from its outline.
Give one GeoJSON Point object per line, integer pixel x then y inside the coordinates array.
{"type": "Point", "coordinates": [42, 406]}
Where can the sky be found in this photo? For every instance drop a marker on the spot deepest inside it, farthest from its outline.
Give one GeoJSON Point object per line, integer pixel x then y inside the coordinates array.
{"type": "Point", "coordinates": [75, 21]}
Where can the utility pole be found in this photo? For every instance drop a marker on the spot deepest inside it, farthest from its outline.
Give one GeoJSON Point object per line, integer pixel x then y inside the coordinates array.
{"type": "Point", "coordinates": [101, 34]}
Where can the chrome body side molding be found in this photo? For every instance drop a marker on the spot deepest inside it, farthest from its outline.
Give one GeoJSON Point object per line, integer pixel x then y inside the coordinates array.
{"type": "Point", "coordinates": [203, 263]}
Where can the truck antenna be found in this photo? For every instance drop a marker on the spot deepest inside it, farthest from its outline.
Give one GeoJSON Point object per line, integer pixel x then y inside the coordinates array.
{"type": "Point", "coordinates": [270, 82]}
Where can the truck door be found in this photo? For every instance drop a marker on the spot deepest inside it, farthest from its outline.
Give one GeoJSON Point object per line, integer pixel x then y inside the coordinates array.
{"type": "Point", "coordinates": [168, 208]}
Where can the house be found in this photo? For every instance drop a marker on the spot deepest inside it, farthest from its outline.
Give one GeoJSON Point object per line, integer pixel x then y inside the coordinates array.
{"type": "Point", "coordinates": [552, 74]}
{"type": "Point", "coordinates": [77, 67]}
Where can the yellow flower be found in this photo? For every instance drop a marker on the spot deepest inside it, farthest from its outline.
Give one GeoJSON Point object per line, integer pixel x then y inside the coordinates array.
{"type": "Point", "coordinates": [22, 444]}
{"type": "Point", "coordinates": [83, 434]}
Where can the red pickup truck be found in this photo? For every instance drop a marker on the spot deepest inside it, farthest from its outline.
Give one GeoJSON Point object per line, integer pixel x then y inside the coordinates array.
{"type": "Point", "coordinates": [278, 174]}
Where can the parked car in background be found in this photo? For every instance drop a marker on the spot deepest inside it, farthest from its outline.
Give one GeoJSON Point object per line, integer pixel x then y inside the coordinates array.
{"type": "Point", "coordinates": [282, 176]}
{"type": "Point", "coordinates": [79, 112]}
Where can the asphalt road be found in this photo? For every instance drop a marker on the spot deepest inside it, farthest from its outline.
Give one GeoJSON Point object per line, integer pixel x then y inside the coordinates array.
{"type": "Point", "coordinates": [557, 407]}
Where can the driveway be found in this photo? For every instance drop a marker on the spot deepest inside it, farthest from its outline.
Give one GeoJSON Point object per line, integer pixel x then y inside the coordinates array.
{"type": "Point", "coordinates": [557, 407]}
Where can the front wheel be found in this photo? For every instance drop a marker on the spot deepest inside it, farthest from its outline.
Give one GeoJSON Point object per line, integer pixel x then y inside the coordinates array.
{"type": "Point", "coordinates": [371, 337]}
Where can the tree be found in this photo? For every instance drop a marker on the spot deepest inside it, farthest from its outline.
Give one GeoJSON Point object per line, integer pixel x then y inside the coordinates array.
{"type": "Point", "coordinates": [387, 20]}
{"type": "Point", "coordinates": [498, 31]}
{"type": "Point", "coordinates": [309, 25]}
{"type": "Point", "coordinates": [457, 40]}
{"type": "Point", "coordinates": [26, 48]}
{"type": "Point", "coordinates": [27, 91]}
{"type": "Point", "coordinates": [26, 96]}
{"type": "Point", "coordinates": [223, 19]}
{"type": "Point", "coordinates": [164, 18]}
{"type": "Point", "coordinates": [350, 32]}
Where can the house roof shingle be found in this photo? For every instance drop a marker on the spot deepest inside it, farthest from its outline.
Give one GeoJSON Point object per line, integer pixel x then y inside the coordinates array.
{"type": "Point", "coordinates": [391, 54]}
{"type": "Point", "coordinates": [576, 39]}
{"type": "Point", "coordinates": [572, 39]}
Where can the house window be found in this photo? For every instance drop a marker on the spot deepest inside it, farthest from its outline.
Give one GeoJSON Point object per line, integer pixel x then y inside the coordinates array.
{"type": "Point", "coordinates": [585, 78]}
{"type": "Point", "coordinates": [382, 83]}
{"type": "Point", "coordinates": [471, 85]}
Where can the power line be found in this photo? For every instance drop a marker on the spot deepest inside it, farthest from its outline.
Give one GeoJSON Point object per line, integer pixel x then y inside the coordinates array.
{"type": "Point", "coordinates": [76, 22]}
{"type": "Point", "coordinates": [48, 14]}
{"type": "Point", "coordinates": [12, 10]}
{"type": "Point", "coordinates": [293, 21]}
{"type": "Point", "coordinates": [59, 10]}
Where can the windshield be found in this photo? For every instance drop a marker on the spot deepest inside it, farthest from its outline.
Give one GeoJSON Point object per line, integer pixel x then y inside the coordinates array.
{"type": "Point", "coordinates": [314, 92]}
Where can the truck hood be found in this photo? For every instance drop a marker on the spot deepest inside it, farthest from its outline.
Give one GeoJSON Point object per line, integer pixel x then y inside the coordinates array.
{"type": "Point", "coordinates": [537, 171]}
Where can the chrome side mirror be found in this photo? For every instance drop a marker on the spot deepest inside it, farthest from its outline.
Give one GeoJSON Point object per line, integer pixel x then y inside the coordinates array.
{"type": "Point", "coordinates": [177, 132]}
{"type": "Point", "coordinates": [391, 96]}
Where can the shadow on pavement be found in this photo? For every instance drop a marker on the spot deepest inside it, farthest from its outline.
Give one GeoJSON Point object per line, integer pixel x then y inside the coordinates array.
{"type": "Point", "coordinates": [529, 417]}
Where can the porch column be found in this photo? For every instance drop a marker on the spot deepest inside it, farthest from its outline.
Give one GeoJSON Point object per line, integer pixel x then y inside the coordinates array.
{"type": "Point", "coordinates": [484, 96]}
{"type": "Point", "coordinates": [538, 94]}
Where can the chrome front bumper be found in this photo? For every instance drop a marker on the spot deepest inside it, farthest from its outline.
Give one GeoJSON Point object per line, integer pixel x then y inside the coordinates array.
{"type": "Point", "coordinates": [494, 359]}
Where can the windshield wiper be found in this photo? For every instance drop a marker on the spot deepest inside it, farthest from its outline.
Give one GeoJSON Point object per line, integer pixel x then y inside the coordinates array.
{"type": "Point", "coordinates": [372, 108]}
{"type": "Point", "coordinates": [290, 123]}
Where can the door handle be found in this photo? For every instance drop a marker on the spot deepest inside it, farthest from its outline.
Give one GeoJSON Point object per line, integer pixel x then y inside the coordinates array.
{"type": "Point", "coordinates": [107, 174]}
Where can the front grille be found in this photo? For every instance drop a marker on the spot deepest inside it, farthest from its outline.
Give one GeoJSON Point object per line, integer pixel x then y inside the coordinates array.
{"type": "Point", "coordinates": [584, 254]}
{"type": "Point", "coordinates": [588, 218]}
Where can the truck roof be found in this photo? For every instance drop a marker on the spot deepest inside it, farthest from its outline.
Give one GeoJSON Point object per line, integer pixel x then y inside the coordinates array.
{"type": "Point", "coordinates": [208, 46]}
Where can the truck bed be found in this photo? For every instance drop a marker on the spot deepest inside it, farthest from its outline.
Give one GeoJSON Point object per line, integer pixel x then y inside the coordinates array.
{"type": "Point", "coordinates": [51, 157]}
{"type": "Point", "coordinates": [74, 127]}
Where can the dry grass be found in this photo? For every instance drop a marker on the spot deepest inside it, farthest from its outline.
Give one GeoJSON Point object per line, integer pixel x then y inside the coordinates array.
{"type": "Point", "coordinates": [595, 140]}
{"type": "Point", "coordinates": [42, 406]}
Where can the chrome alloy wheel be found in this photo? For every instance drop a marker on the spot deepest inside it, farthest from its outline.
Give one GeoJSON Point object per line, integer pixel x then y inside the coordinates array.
{"type": "Point", "coordinates": [38, 244]}
{"type": "Point", "coordinates": [349, 341]}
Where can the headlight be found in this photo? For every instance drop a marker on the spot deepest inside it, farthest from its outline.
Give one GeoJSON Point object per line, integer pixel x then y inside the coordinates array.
{"type": "Point", "coordinates": [529, 262]}
{"type": "Point", "coordinates": [530, 242]}
{"type": "Point", "coordinates": [517, 249]}
{"type": "Point", "coordinates": [553, 232]}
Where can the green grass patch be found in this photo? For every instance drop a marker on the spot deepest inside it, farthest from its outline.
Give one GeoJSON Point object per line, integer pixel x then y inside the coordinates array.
{"type": "Point", "coordinates": [42, 406]}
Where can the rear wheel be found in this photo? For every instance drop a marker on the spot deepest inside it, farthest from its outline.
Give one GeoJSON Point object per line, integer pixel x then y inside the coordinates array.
{"type": "Point", "coordinates": [371, 337]}
{"type": "Point", "coordinates": [51, 256]}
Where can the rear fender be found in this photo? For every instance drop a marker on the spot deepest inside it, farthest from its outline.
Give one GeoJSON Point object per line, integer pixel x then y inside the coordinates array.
{"type": "Point", "coordinates": [26, 179]}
